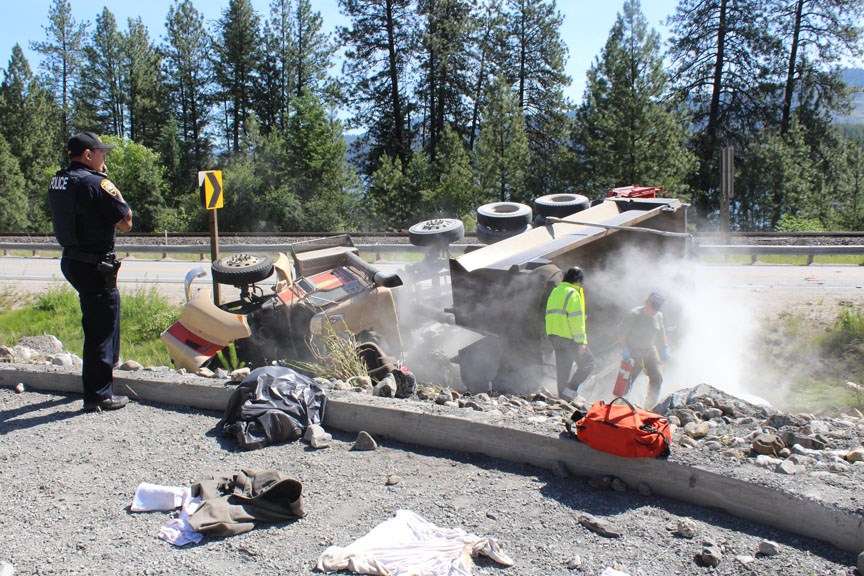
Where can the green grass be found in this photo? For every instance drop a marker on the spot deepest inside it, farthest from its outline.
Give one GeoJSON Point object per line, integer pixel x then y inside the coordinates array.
{"type": "Point", "coordinates": [144, 312]}
{"type": "Point", "coordinates": [824, 360]}
{"type": "Point", "coordinates": [781, 259]}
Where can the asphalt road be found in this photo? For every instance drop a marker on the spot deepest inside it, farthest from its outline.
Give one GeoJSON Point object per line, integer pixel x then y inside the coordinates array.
{"type": "Point", "coordinates": [37, 273]}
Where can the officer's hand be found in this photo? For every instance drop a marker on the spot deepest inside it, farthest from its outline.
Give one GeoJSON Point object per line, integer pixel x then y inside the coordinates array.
{"type": "Point", "coordinates": [582, 349]}
{"type": "Point", "coordinates": [664, 354]}
{"type": "Point", "coordinates": [625, 353]}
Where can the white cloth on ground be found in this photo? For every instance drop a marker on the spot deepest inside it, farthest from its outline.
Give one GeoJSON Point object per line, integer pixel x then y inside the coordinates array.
{"type": "Point", "coordinates": [150, 497]}
{"type": "Point", "coordinates": [178, 531]}
{"type": "Point", "coordinates": [408, 545]}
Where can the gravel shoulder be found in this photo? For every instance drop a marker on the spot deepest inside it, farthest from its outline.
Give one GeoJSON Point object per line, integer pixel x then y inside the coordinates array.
{"type": "Point", "coordinates": [67, 480]}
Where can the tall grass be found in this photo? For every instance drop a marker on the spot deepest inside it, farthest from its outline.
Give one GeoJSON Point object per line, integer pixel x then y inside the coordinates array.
{"type": "Point", "coordinates": [828, 360]}
{"type": "Point", "coordinates": [144, 315]}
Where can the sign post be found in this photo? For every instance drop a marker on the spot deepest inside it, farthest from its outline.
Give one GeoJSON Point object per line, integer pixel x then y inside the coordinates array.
{"type": "Point", "coordinates": [727, 189]}
{"type": "Point", "coordinates": [210, 185]}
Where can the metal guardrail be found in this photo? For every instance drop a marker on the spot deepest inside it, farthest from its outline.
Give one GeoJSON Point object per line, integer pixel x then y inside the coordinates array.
{"type": "Point", "coordinates": [380, 249]}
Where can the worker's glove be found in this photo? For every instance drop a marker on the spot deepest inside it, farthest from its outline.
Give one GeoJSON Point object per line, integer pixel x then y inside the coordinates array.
{"type": "Point", "coordinates": [625, 354]}
{"type": "Point", "coordinates": [664, 354]}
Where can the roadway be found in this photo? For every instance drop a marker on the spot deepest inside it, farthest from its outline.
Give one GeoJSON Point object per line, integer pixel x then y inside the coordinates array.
{"type": "Point", "coordinates": [847, 281]}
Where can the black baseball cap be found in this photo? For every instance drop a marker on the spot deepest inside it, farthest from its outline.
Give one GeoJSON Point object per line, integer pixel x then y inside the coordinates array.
{"type": "Point", "coordinates": [85, 141]}
{"type": "Point", "coordinates": [656, 301]}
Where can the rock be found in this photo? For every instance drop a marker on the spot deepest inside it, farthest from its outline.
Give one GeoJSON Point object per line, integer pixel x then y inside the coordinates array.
{"type": "Point", "coordinates": [470, 404]}
{"type": "Point", "coordinates": [810, 442]}
{"type": "Point", "coordinates": [6, 354]}
{"type": "Point", "coordinates": [362, 382]}
{"type": "Point", "coordinates": [599, 526]}
{"type": "Point", "coordinates": [780, 420]}
{"type": "Point", "coordinates": [696, 430]}
{"type": "Point", "coordinates": [686, 528]}
{"type": "Point", "coordinates": [364, 442]}
{"type": "Point", "coordinates": [426, 393]}
{"type": "Point", "coordinates": [644, 490]}
{"type": "Point", "coordinates": [63, 360]}
{"type": "Point", "coordinates": [860, 563]}
{"type": "Point", "coordinates": [618, 485]}
{"type": "Point", "coordinates": [790, 468]}
{"type": "Point", "coordinates": [340, 385]}
{"type": "Point", "coordinates": [769, 548]}
{"type": "Point", "coordinates": [600, 482]}
{"type": "Point", "coordinates": [406, 383]}
{"type": "Point", "coordinates": [855, 455]}
{"type": "Point", "coordinates": [839, 468]}
{"type": "Point", "coordinates": [386, 387]}
{"type": "Point", "coordinates": [6, 569]}
{"type": "Point", "coordinates": [444, 397]}
{"type": "Point", "coordinates": [745, 560]}
{"type": "Point", "coordinates": [687, 442]}
{"type": "Point", "coordinates": [685, 416]}
{"type": "Point", "coordinates": [46, 344]}
{"type": "Point", "coordinates": [19, 388]}
{"type": "Point", "coordinates": [609, 571]}
{"type": "Point", "coordinates": [767, 444]}
{"type": "Point", "coordinates": [713, 413]}
{"type": "Point", "coordinates": [710, 555]}
{"type": "Point", "coordinates": [239, 374]}
{"type": "Point", "coordinates": [205, 372]}
{"type": "Point", "coordinates": [392, 480]}
{"type": "Point", "coordinates": [131, 366]}
{"type": "Point", "coordinates": [575, 563]}
{"type": "Point", "coordinates": [317, 436]}
{"type": "Point", "coordinates": [561, 470]}
{"type": "Point", "coordinates": [767, 461]}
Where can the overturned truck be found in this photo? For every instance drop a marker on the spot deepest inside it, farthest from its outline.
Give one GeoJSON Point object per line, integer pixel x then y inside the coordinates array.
{"type": "Point", "coordinates": [500, 290]}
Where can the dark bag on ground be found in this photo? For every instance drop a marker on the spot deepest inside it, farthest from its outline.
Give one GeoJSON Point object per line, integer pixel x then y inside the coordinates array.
{"type": "Point", "coordinates": [624, 430]}
{"type": "Point", "coordinates": [273, 404]}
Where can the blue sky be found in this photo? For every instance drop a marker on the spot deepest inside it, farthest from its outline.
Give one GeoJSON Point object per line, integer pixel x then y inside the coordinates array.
{"type": "Point", "coordinates": [585, 29]}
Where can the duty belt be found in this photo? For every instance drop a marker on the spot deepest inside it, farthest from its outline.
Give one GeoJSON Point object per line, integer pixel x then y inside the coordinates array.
{"type": "Point", "coordinates": [88, 257]}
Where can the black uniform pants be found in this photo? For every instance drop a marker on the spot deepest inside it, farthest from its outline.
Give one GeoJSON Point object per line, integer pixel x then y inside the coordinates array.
{"type": "Point", "coordinates": [648, 361]}
{"type": "Point", "coordinates": [566, 353]}
{"type": "Point", "coordinates": [100, 319]}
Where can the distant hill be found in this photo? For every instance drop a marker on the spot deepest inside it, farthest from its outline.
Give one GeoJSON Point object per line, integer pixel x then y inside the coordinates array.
{"type": "Point", "coordinates": [854, 77]}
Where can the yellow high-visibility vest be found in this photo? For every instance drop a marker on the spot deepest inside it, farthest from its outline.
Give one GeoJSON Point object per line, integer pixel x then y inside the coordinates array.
{"type": "Point", "coordinates": [565, 313]}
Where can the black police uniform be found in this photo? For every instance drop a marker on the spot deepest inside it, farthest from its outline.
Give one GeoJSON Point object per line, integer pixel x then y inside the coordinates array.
{"type": "Point", "coordinates": [85, 206]}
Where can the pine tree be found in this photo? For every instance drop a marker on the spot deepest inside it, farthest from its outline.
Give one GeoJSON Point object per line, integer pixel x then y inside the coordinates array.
{"type": "Point", "coordinates": [380, 44]}
{"type": "Point", "coordinates": [29, 124]}
{"type": "Point", "coordinates": [502, 152]}
{"type": "Point", "coordinates": [14, 207]}
{"type": "Point", "coordinates": [188, 76]}
{"type": "Point", "coordinates": [136, 171]}
{"type": "Point", "coordinates": [535, 67]}
{"type": "Point", "coordinates": [626, 130]}
{"type": "Point", "coordinates": [236, 61]}
{"type": "Point", "coordinates": [456, 193]}
{"type": "Point", "coordinates": [445, 81]}
{"type": "Point", "coordinates": [142, 85]}
{"type": "Point", "coordinates": [100, 99]}
{"type": "Point", "coordinates": [317, 167]}
{"type": "Point", "coordinates": [62, 53]}
{"type": "Point", "coordinates": [721, 56]}
{"type": "Point", "coordinates": [815, 36]}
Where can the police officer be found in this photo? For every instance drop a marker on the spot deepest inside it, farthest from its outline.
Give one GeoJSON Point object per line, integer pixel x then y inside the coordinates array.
{"type": "Point", "coordinates": [86, 208]}
{"type": "Point", "coordinates": [565, 327]}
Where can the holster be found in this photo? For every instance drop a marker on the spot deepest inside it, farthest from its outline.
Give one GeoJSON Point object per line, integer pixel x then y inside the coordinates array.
{"type": "Point", "coordinates": [109, 270]}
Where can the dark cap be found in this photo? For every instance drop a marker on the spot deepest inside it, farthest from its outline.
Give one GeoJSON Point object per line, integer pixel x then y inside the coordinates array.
{"type": "Point", "coordinates": [656, 301]}
{"type": "Point", "coordinates": [85, 141]}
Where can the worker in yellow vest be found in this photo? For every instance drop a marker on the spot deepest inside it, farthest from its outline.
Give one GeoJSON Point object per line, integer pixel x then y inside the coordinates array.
{"type": "Point", "coordinates": [565, 327]}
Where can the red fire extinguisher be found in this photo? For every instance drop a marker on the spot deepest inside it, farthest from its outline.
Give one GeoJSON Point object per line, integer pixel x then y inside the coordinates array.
{"type": "Point", "coordinates": [623, 379]}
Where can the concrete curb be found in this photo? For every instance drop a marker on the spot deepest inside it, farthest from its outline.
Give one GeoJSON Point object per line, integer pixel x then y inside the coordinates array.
{"type": "Point", "coordinates": [792, 513]}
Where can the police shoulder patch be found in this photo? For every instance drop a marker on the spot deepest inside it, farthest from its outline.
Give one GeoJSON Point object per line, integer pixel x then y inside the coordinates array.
{"type": "Point", "coordinates": [109, 187]}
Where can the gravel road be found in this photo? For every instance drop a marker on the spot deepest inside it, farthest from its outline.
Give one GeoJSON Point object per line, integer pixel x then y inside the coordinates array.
{"type": "Point", "coordinates": [67, 480]}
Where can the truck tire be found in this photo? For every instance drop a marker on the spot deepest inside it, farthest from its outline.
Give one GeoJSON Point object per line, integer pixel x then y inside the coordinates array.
{"type": "Point", "coordinates": [242, 269]}
{"type": "Point", "coordinates": [504, 216]}
{"type": "Point", "coordinates": [437, 232]}
{"type": "Point", "coordinates": [490, 236]}
{"type": "Point", "coordinates": [560, 205]}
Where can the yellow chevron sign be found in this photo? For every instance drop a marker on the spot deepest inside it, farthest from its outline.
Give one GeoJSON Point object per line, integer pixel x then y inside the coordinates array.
{"type": "Point", "coordinates": [210, 184]}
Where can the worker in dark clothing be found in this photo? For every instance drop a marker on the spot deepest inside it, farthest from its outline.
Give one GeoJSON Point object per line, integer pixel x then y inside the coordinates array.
{"type": "Point", "coordinates": [641, 334]}
{"type": "Point", "coordinates": [565, 327]}
{"type": "Point", "coordinates": [86, 209]}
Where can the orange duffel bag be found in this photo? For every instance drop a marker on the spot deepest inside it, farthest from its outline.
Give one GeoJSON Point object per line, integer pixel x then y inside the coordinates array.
{"type": "Point", "coordinates": [624, 430]}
